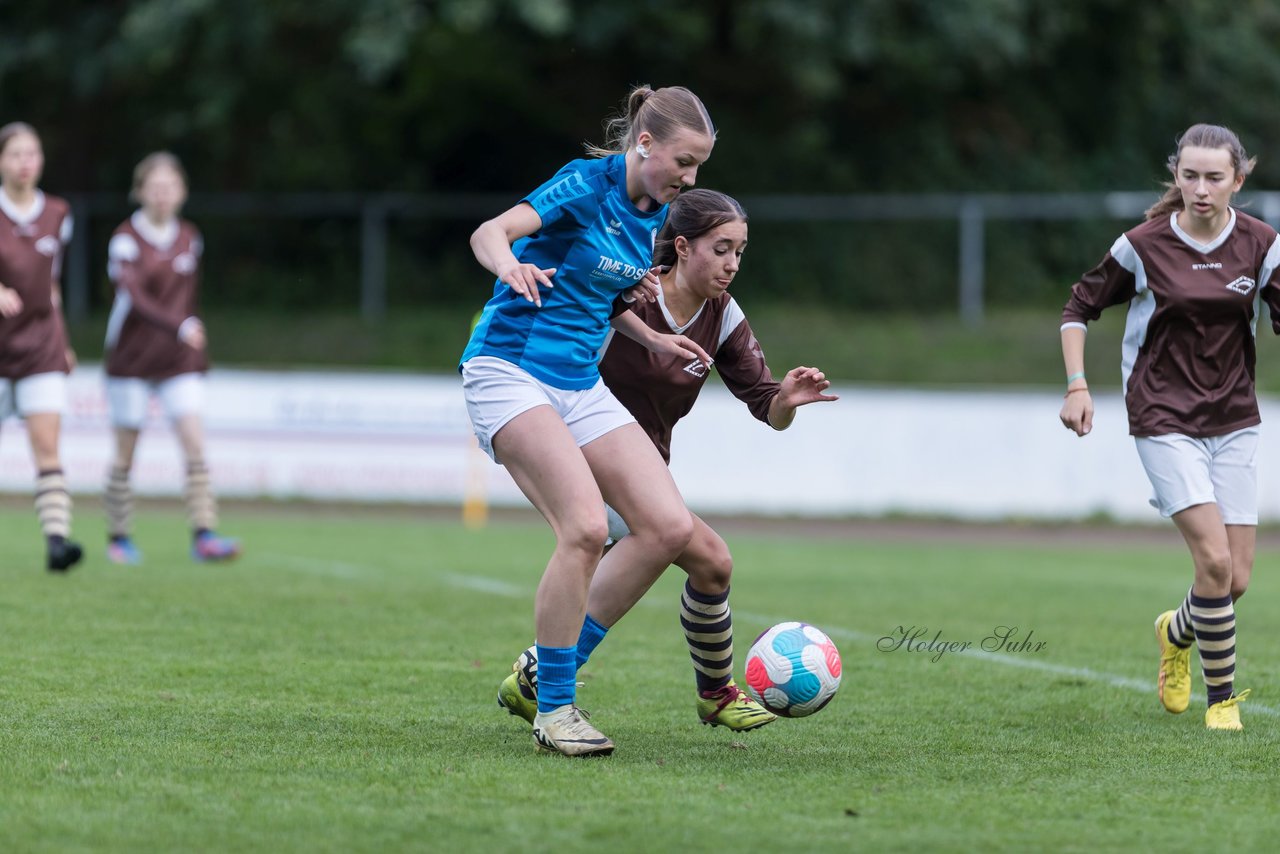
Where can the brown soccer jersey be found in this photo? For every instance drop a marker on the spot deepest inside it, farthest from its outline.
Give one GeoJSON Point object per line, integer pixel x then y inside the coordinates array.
{"type": "Point", "coordinates": [1189, 350]}
{"type": "Point", "coordinates": [31, 242]}
{"type": "Point", "coordinates": [156, 274]}
{"type": "Point", "coordinates": [660, 390]}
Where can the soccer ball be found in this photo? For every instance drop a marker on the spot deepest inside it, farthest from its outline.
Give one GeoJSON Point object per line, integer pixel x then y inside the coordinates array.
{"type": "Point", "coordinates": [793, 670]}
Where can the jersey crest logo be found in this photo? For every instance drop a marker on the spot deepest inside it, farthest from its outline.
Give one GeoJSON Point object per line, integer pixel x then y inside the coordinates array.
{"type": "Point", "coordinates": [1242, 285]}
{"type": "Point", "coordinates": [184, 264]}
{"type": "Point", "coordinates": [696, 368]}
{"type": "Point", "coordinates": [48, 246]}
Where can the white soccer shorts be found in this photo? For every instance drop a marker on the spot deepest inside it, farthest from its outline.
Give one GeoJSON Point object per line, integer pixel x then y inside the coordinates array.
{"type": "Point", "coordinates": [37, 394]}
{"type": "Point", "coordinates": [128, 398]}
{"type": "Point", "coordinates": [1221, 470]}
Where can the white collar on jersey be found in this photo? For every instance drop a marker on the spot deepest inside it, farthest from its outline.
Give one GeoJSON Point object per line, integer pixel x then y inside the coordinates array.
{"type": "Point", "coordinates": [1196, 244]}
{"type": "Point", "coordinates": [671, 321]}
{"type": "Point", "coordinates": [21, 217]}
{"type": "Point", "coordinates": [161, 237]}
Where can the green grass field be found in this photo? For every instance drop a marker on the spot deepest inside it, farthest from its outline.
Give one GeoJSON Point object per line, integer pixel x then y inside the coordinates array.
{"type": "Point", "coordinates": [334, 691]}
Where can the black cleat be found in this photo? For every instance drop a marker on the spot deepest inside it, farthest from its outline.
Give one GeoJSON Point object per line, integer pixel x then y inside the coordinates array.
{"type": "Point", "coordinates": [63, 554]}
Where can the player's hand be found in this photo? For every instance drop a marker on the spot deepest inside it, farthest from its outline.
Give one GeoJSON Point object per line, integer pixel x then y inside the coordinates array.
{"type": "Point", "coordinates": [804, 385]}
{"type": "Point", "coordinates": [1077, 412]}
{"type": "Point", "coordinates": [72, 361]}
{"type": "Point", "coordinates": [648, 288]}
{"type": "Point", "coordinates": [524, 279]}
{"type": "Point", "coordinates": [192, 334]}
{"type": "Point", "coordinates": [10, 302]}
{"type": "Point", "coordinates": [680, 347]}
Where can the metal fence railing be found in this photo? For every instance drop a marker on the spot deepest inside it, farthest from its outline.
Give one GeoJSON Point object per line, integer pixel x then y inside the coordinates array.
{"type": "Point", "coordinates": [374, 211]}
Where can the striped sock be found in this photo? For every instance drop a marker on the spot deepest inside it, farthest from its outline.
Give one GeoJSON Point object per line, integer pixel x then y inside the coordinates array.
{"type": "Point", "coordinates": [118, 501]}
{"type": "Point", "coordinates": [557, 669]}
{"type": "Point", "coordinates": [708, 629]}
{"type": "Point", "coordinates": [202, 508]}
{"type": "Point", "coordinates": [53, 504]}
{"type": "Point", "coordinates": [589, 638]}
{"type": "Point", "coordinates": [1181, 633]}
{"type": "Point", "coordinates": [1215, 627]}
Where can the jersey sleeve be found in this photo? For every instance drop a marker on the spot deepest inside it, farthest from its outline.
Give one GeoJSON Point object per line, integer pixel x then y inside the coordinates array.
{"type": "Point", "coordinates": [1117, 279]}
{"type": "Point", "coordinates": [741, 364]}
{"type": "Point", "coordinates": [566, 192]}
{"type": "Point", "coordinates": [122, 266]}
{"type": "Point", "coordinates": [1269, 283]}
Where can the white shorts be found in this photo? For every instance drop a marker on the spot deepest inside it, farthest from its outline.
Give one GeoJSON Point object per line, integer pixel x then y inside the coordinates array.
{"type": "Point", "coordinates": [128, 398]}
{"type": "Point", "coordinates": [1220, 470]}
{"type": "Point", "coordinates": [497, 391]}
{"type": "Point", "coordinates": [617, 526]}
{"type": "Point", "coordinates": [37, 394]}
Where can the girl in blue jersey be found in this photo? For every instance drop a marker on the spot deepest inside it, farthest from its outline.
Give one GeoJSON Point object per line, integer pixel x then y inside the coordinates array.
{"type": "Point", "coordinates": [563, 256]}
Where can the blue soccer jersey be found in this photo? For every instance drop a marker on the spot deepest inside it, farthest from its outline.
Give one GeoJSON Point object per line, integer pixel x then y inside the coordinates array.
{"type": "Point", "coordinates": [600, 244]}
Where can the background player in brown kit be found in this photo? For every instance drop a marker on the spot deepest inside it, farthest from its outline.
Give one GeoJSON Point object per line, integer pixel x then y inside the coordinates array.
{"type": "Point", "coordinates": [1193, 275]}
{"type": "Point", "coordinates": [701, 245]}
{"type": "Point", "coordinates": [156, 346]}
{"type": "Point", "coordinates": [34, 357]}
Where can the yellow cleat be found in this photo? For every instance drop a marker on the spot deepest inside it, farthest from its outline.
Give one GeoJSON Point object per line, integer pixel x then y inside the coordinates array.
{"type": "Point", "coordinates": [1174, 684]}
{"type": "Point", "coordinates": [518, 693]}
{"type": "Point", "coordinates": [731, 707]}
{"type": "Point", "coordinates": [1226, 715]}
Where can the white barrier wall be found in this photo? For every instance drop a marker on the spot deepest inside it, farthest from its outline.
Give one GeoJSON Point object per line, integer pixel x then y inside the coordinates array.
{"type": "Point", "coordinates": [976, 454]}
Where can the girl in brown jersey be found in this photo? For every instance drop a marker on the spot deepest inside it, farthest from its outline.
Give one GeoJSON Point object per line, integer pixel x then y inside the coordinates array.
{"type": "Point", "coordinates": [34, 357]}
{"type": "Point", "coordinates": [701, 246]}
{"type": "Point", "coordinates": [1193, 275]}
{"type": "Point", "coordinates": [156, 347]}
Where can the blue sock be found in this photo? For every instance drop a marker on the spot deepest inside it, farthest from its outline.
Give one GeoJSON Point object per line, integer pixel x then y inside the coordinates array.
{"type": "Point", "coordinates": [557, 670]}
{"type": "Point", "coordinates": [588, 639]}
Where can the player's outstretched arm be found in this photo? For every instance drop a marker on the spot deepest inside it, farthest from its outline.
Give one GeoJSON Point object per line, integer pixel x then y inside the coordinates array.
{"type": "Point", "coordinates": [801, 386]}
{"type": "Point", "coordinates": [669, 345]}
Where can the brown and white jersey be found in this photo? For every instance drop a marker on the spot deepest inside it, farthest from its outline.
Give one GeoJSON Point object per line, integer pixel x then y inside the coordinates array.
{"type": "Point", "coordinates": [660, 390]}
{"type": "Point", "coordinates": [31, 245]}
{"type": "Point", "coordinates": [156, 273]}
{"type": "Point", "coordinates": [1189, 342]}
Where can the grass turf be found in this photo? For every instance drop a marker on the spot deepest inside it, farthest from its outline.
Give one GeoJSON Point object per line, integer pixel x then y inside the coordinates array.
{"type": "Point", "coordinates": [334, 691]}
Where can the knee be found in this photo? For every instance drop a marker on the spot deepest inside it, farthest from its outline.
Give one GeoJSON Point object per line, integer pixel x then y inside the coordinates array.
{"type": "Point", "coordinates": [674, 533]}
{"type": "Point", "coordinates": [584, 538]}
{"type": "Point", "coordinates": [1216, 566]}
{"type": "Point", "coordinates": [714, 572]}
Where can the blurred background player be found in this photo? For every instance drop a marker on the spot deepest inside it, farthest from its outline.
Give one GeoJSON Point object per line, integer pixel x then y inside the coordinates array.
{"type": "Point", "coordinates": [1193, 275]}
{"type": "Point", "coordinates": [701, 246]}
{"type": "Point", "coordinates": [156, 346]}
{"type": "Point", "coordinates": [34, 355]}
{"type": "Point", "coordinates": [533, 390]}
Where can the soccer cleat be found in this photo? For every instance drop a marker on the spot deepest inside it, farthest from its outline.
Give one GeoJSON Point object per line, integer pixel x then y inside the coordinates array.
{"type": "Point", "coordinates": [1174, 682]}
{"type": "Point", "coordinates": [123, 551]}
{"type": "Point", "coordinates": [566, 731]}
{"type": "Point", "coordinates": [731, 706]}
{"type": "Point", "coordinates": [518, 697]}
{"type": "Point", "coordinates": [209, 546]}
{"type": "Point", "coordinates": [1226, 715]}
{"type": "Point", "coordinates": [63, 554]}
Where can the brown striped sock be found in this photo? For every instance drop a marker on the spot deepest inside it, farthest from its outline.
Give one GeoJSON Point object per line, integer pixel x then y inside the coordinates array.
{"type": "Point", "coordinates": [1215, 626]}
{"type": "Point", "coordinates": [202, 508]}
{"type": "Point", "coordinates": [53, 504]}
{"type": "Point", "coordinates": [118, 502]}
{"type": "Point", "coordinates": [708, 629]}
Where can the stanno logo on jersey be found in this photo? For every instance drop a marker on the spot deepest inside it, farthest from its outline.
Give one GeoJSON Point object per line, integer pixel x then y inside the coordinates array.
{"type": "Point", "coordinates": [1242, 285]}
{"type": "Point", "coordinates": [614, 227]}
{"type": "Point", "coordinates": [48, 246]}
{"type": "Point", "coordinates": [1212, 265]}
{"type": "Point", "coordinates": [697, 368]}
